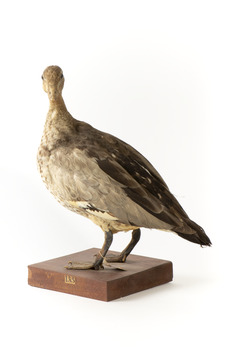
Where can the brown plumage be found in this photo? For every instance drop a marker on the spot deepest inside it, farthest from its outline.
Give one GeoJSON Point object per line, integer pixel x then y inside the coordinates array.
{"type": "Point", "coordinates": [104, 179]}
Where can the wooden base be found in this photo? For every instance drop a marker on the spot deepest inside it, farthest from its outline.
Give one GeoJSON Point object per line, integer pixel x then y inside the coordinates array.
{"type": "Point", "coordinates": [140, 273]}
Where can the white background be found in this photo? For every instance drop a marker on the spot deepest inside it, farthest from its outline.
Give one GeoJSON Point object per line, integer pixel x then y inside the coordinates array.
{"type": "Point", "coordinates": [157, 74]}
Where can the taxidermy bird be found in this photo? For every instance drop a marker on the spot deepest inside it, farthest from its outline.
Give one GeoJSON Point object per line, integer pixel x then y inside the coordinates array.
{"type": "Point", "coordinates": [104, 179]}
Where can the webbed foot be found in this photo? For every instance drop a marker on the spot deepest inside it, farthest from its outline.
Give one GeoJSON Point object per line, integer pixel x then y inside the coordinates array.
{"type": "Point", "coordinates": [98, 263]}
{"type": "Point", "coordinates": [116, 258]}
{"type": "Point", "coordinates": [83, 266]}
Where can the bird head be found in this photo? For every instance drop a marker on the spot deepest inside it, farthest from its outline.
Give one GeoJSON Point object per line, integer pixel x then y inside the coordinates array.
{"type": "Point", "coordinates": [53, 82]}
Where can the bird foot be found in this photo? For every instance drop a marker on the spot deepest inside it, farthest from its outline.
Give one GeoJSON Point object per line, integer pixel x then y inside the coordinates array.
{"type": "Point", "coordinates": [92, 266]}
{"type": "Point", "coordinates": [116, 258]}
{"type": "Point", "coordinates": [83, 266]}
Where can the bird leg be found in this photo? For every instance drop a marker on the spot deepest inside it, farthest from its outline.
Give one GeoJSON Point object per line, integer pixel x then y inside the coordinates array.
{"type": "Point", "coordinates": [97, 264]}
{"type": "Point", "coordinates": [123, 255]}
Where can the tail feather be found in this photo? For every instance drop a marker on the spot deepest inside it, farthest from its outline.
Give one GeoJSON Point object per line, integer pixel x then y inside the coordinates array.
{"type": "Point", "coordinates": [199, 236]}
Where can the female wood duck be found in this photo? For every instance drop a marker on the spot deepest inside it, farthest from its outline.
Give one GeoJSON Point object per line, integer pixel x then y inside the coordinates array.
{"type": "Point", "coordinates": [104, 179]}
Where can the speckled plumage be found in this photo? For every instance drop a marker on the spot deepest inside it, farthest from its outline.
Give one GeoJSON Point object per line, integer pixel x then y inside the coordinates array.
{"type": "Point", "coordinates": [101, 177]}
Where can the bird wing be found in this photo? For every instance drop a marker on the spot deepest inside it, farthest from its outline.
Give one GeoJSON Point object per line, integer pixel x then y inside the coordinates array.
{"type": "Point", "coordinates": [141, 181]}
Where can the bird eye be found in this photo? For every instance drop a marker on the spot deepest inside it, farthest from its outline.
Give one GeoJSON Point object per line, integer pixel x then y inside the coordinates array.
{"type": "Point", "coordinates": [61, 76]}
{"type": "Point", "coordinates": [42, 77]}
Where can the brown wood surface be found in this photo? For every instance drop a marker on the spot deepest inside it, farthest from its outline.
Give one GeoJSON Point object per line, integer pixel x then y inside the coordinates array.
{"type": "Point", "coordinates": [140, 273]}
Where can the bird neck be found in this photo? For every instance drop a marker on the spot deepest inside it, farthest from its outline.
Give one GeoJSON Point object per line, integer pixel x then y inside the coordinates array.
{"type": "Point", "coordinates": [58, 117]}
{"type": "Point", "coordinates": [57, 103]}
